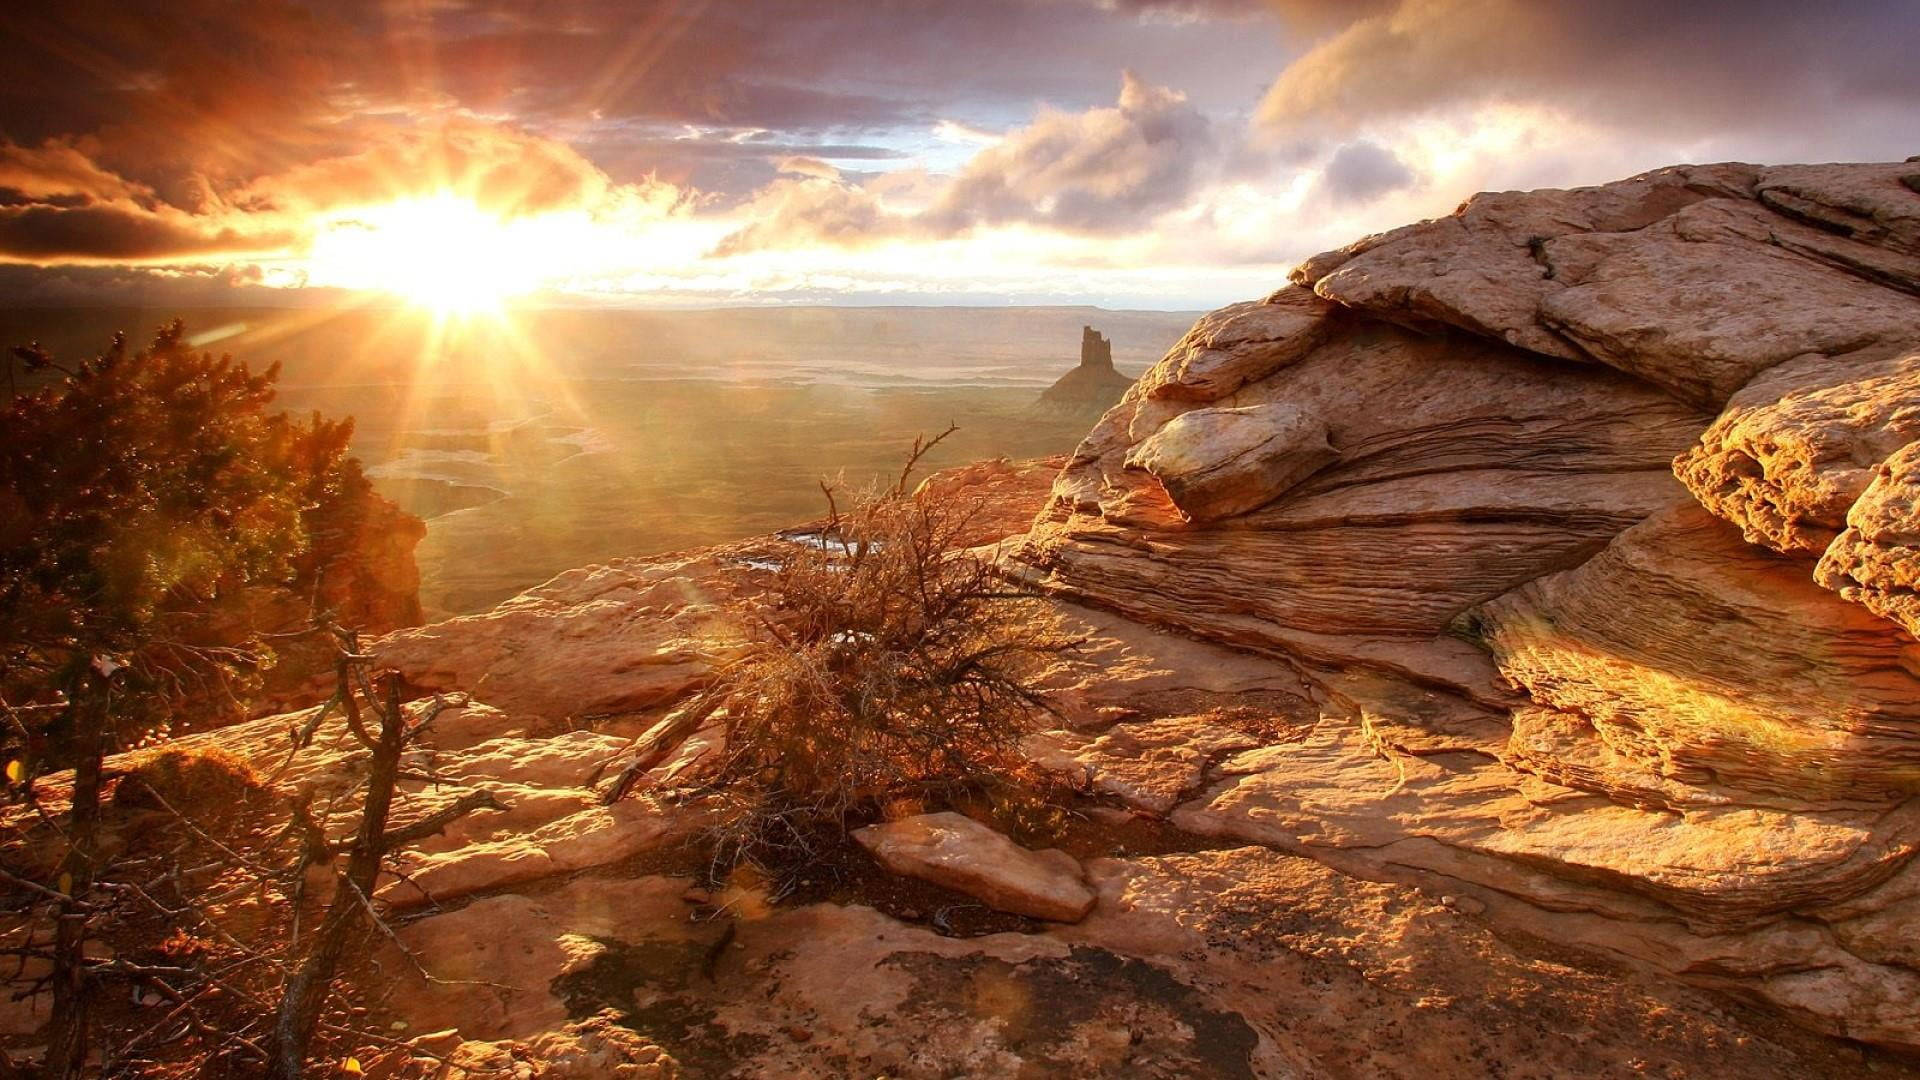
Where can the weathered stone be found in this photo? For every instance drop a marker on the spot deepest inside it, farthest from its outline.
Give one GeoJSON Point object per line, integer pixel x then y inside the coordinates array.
{"type": "Point", "coordinates": [1483, 269]}
{"type": "Point", "coordinates": [1240, 344]}
{"type": "Point", "coordinates": [1716, 662]}
{"type": "Point", "coordinates": [961, 854]}
{"type": "Point", "coordinates": [1465, 469]}
{"type": "Point", "coordinates": [1874, 204]}
{"type": "Point", "coordinates": [1702, 318]}
{"type": "Point", "coordinates": [1706, 748]}
{"type": "Point", "coordinates": [1876, 560]}
{"type": "Point", "coordinates": [1150, 765]}
{"type": "Point", "coordinates": [1093, 385]}
{"type": "Point", "coordinates": [1798, 445]}
{"type": "Point", "coordinates": [603, 639]}
{"type": "Point", "coordinates": [1218, 463]}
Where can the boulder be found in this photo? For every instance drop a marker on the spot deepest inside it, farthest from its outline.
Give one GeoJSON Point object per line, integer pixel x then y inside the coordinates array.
{"type": "Point", "coordinates": [1465, 469]}
{"type": "Point", "coordinates": [1240, 344]}
{"type": "Point", "coordinates": [1218, 463]}
{"type": "Point", "coordinates": [961, 854]}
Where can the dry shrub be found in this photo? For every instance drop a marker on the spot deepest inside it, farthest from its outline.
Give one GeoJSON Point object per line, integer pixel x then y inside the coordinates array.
{"type": "Point", "coordinates": [893, 668]}
{"type": "Point", "coordinates": [203, 783]}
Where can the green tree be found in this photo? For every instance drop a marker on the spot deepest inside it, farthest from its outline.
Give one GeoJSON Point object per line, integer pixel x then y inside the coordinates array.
{"type": "Point", "coordinates": [153, 511]}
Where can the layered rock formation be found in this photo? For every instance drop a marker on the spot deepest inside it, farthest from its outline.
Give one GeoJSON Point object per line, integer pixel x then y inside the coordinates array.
{"type": "Point", "coordinates": [1589, 515]}
{"type": "Point", "coordinates": [1094, 385]}
{"type": "Point", "coordinates": [1498, 659]}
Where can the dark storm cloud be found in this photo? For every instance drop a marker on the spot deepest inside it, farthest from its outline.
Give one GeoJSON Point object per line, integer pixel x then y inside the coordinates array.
{"type": "Point", "coordinates": [49, 233]}
{"type": "Point", "coordinates": [167, 289]}
{"type": "Point", "coordinates": [1706, 67]}
{"type": "Point", "coordinates": [168, 92]}
{"type": "Point", "coordinates": [1360, 172]}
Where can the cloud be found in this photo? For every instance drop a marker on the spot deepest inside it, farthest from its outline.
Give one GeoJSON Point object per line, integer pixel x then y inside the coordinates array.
{"type": "Point", "coordinates": [170, 287]}
{"type": "Point", "coordinates": [898, 139]}
{"type": "Point", "coordinates": [811, 210]}
{"type": "Point", "coordinates": [61, 206]}
{"type": "Point", "coordinates": [60, 170]}
{"type": "Point", "coordinates": [1090, 171]}
{"type": "Point", "coordinates": [1658, 67]}
{"type": "Point", "coordinates": [1360, 172]}
{"type": "Point", "coordinates": [42, 233]}
{"type": "Point", "coordinates": [807, 166]}
{"type": "Point", "coordinates": [1107, 169]}
{"type": "Point", "coordinates": [507, 171]}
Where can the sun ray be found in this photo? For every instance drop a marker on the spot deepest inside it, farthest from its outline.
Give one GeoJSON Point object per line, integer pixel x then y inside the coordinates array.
{"type": "Point", "coordinates": [441, 252]}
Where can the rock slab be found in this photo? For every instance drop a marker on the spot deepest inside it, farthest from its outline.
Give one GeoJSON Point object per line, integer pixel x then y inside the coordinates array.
{"type": "Point", "coordinates": [961, 854]}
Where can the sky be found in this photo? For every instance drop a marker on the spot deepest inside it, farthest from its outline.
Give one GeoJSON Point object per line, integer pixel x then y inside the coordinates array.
{"type": "Point", "coordinates": [1174, 154]}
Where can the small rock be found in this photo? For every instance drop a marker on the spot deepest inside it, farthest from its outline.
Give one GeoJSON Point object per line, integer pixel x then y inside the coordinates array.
{"type": "Point", "coordinates": [797, 1033]}
{"type": "Point", "coordinates": [437, 1041]}
{"type": "Point", "coordinates": [961, 854]}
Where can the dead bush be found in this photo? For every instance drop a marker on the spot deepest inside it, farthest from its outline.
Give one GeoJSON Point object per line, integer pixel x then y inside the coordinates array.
{"type": "Point", "coordinates": [892, 668]}
{"type": "Point", "coordinates": [205, 783]}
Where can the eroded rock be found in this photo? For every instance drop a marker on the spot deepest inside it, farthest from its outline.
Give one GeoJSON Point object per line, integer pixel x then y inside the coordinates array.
{"type": "Point", "coordinates": [1217, 463]}
{"type": "Point", "coordinates": [1797, 446]}
{"type": "Point", "coordinates": [1671, 724]}
{"type": "Point", "coordinates": [1876, 560]}
{"type": "Point", "coordinates": [959, 853]}
{"type": "Point", "coordinates": [1715, 662]}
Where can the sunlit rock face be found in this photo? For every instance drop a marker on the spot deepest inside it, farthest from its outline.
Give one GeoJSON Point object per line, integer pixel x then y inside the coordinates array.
{"type": "Point", "coordinates": [1606, 578]}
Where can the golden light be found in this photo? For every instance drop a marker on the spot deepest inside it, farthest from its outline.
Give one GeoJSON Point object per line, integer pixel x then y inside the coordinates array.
{"type": "Point", "coordinates": [441, 252]}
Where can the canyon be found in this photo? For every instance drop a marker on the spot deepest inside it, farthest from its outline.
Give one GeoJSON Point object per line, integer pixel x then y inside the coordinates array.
{"type": "Point", "coordinates": [1498, 658]}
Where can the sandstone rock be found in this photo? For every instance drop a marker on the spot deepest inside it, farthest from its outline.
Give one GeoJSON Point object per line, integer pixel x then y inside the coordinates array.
{"type": "Point", "coordinates": [1175, 974]}
{"type": "Point", "coordinates": [1702, 892]}
{"type": "Point", "coordinates": [1482, 269]}
{"type": "Point", "coordinates": [1217, 463]}
{"type": "Point", "coordinates": [1775, 687]}
{"type": "Point", "coordinates": [1149, 765]}
{"type": "Point", "coordinates": [1592, 273]}
{"type": "Point", "coordinates": [1798, 445]}
{"type": "Point", "coordinates": [599, 1046]}
{"type": "Point", "coordinates": [1874, 204]}
{"type": "Point", "coordinates": [597, 836]}
{"type": "Point", "coordinates": [1876, 560]}
{"type": "Point", "coordinates": [1465, 469]}
{"type": "Point", "coordinates": [961, 854]}
{"type": "Point", "coordinates": [1000, 496]}
{"type": "Point", "coordinates": [1239, 344]}
{"type": "Point", "coordinates": [1747, 308]}
{"type": "Point", "coordinates": [603, 639]}
{"type": "Point", "coordinates": [1678, 746]}
{"type": "Point", "coordinates": [1093, 385]}
{"type": "Point", "coordinates": [1423, 983]}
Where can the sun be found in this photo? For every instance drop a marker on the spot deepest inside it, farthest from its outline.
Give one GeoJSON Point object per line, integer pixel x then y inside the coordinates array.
{"type": "Point", "coordinates": [441, 252]}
